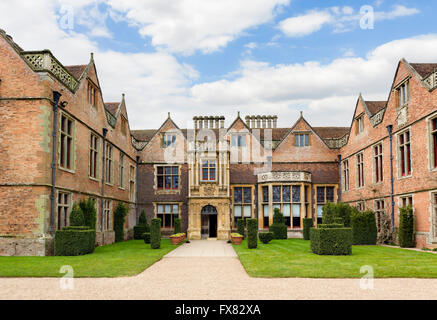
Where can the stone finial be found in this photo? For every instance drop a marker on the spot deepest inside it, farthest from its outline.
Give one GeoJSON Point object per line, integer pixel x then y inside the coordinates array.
{"type": "Point", "coordinates": [169, 115]}
{"type": "Point", "coordinates": [301, 114]}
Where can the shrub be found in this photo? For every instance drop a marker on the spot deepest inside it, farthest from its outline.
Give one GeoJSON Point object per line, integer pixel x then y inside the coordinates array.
{"type": "Point", "coordinates": [307, 225]}
{"type": "Point", "coordinates": [88, 208]}
{"type": "Point", "coordinates": [76, 216]}
{"type": "Point", "coordinates": [240, 226]}
{"type": "Point", "coordinates": [265, 237]}
{"type": "Point", "coordinates": [146, 237]}
{"type": "Point", "coordinates": [329, 212]}
{"type": "Point", "coordinates": [234, 234]}
{"type": "Point", "coordinates": [252, 233]}
{"type": "Point", "coordinates": [139, 230]}
{"type": "Point", "coordinates": [406, 228]}
{"type": "Point", "coordinates": [177, 225]}
{"type": "Point", "coordinates": [338, 220]}
{"type": "Point", "coordinates": [384, 234]}
{"type": "Point", "coordinates": [142, 220]}
{"type": "Point", "coordinates": [344, 211]}
{"type": "Point", "coordinates": [155, 233]}
{"type": "Point", "coordinates": [278, 226]}
{"type": "Point", "coordinates": [330, 226]}
{"type": "Point", "coordinates": [74, 241]}
{"type": "Point", "coordinates": [331, 241]}
{"type": "Point", "coordinates": [426, 249]}
{"type": "Point", "coordinates": [119, 214]}
{"type": "Point", "coordinates": [364, 227]}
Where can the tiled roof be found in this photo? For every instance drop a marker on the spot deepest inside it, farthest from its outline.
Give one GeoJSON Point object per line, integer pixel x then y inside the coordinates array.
{"type": "Point", "coordinates": [424, 69]}
{"type": "Point", "coordinates": [143, 135]}
{"type": "Point", "coordinates": [331, 132]}
{"type": "Point", "coordinates": [375, 106]}
{"type": "Point", "coordinates": [76, 71]}
{"type": "Point", "coordinates": [112, 107]}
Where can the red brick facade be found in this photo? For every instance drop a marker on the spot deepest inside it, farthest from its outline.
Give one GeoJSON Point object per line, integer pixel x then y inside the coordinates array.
{"type": "Point", "coordinates": [261, 167]}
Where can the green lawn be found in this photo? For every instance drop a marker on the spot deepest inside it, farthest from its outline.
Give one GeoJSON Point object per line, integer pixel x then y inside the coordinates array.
{"type": "Point", "coordinates": [120, 259]}
{"type": "Point", "coordinates": [293, 258]}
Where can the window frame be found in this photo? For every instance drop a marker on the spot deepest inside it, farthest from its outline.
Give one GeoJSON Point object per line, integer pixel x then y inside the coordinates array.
{"type": "Point", "coordinates": [242, 204]}
{"type": "Point", "coordinates": [432, 142]}
{"type": "Point", "coordinates": [66, 210]}
{"type": "Point", "coordinates": [94, 156]}
{"type": "Point", "coordinates": [107, 215]}
{"type": "Point", "coordinates": [168, 144]}
{"type": "Point", "coordinates": [109, 164]}
{"type": "Point", "coordinates": [379, 210]}
{"type": "Point", "coordinates": [121, 161]}
{"type": "Point", "coordinates": [360, 170]}
{"type": "Point", "coordinates": [164, 175]}
{"type": "Point", "coordinates": [239, 140]}
{"type": "Point", "coordinates": [67, 141]}
{"type": "Point", "coordinates": [404, 152]}
{"type": "Point", "coordinates": [403, 93]}
{"type": "Point", "coordinates": [164, 213]}
{"type": "Point", "coordinates": [92, 94]}
{"type": "Point", "coordinates": [209, 169]}
{"type": "Point", "coordinates": [378, 163]}
{"type": "Point", "coordinates": [346, 175]}
{"type": "Point", "coordinates": [301, 139]}
{"type": "Point", "coordinates": [360, 124]}
{"type": "Point", "coordinates": [132, 182]}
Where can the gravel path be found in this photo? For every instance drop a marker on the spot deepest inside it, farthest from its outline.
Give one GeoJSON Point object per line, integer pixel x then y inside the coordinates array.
{"type": "Point", "coordinates": [183, 275]}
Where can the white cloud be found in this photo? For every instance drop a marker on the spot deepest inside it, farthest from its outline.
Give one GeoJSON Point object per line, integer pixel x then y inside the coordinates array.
{"type": "Point", "coordinates": [342, 19]}
{"type": "Point", "coordinates": [305, 24]}
{"type": "Point", "coordinates": [326, 91]}
{"type": "Point", "coordinates": [185, 26]}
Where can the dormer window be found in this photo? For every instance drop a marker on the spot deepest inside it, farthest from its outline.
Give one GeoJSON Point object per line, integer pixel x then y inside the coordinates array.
{"type": "Point", "coordinates": [301, 140]}
{"type": "Point", "coordinates": [92, 94]}
{"type": "Point", "coordinates": [403, 92]}
{"type": "Point", "coordinates": [168, 140]}
{"type": "Point", "coordinates": [208, 170]}
{"type": "Point", "coordinates": [238, 140]}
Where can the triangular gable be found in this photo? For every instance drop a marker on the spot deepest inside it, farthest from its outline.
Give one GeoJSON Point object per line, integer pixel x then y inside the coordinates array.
{"type": "Point", "coordinates": [301, 119]}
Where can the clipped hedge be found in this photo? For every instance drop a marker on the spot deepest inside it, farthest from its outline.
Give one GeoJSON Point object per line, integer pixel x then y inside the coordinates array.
{"type": "Point", "coordinates": [364, 229]}
{"type": "Point", "coordinates": [307, 225]}
{"type": "Point", "coordinates": [338, 220]}
{"type": "Point", "coordinates": [74, 241]}
{"type": "Point", "coordinates": [278, 227]}
{"type": "Point", "coordinates": [146, 237]}
{"type": "Point", "coordinates": [252, 233]}
{"type": "Point", "coordinates": [155, 233]}
{"type": "Point", "coordinates": [331, 241]}
{"type": "Point", "coordinates": [406, 228]}
{"type": "Point", "coordinates": [332, 225]}
{"type": "Point", "coordinates": [265, 237]}
{"type": "Point", "coordinates": [177, 225]}
{"type": "Point", "coordinates": [240, 227]}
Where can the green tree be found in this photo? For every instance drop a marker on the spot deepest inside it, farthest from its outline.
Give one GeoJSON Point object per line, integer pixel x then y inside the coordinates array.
{"type": "Point", "coordinates": [119, 215]}
{"type": "Point", "coordinates": [76, 216]}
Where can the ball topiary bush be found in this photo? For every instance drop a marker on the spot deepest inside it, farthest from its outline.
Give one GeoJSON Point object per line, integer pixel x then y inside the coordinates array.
{"type": "Point", "coordinates": [364, 229]}
{"type": "Point", "coordinates": [406, 228]}
{"type": "Point", "coordinates": [155, 233]}
{"type": "Point", "coordinates": [307, 225]}
{"type": "Point", "coordinates": [146, 237]}
{"type": "Point", "coordinates": [265, 237]}
{"type": "Point", "coordinates": [177, 225]}
{"type": "Point", "coordinates": [278, 227]}
{"type": "Point", "coordinates": [240, 227]}
{"type": "Point", "coordinates": [252, 233]}
{"type": "Point", "coordinates": [76, 216]}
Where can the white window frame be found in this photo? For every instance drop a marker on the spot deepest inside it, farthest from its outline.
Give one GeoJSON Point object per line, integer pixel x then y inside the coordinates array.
{"type": "Point", "coordinates": [378, 159]}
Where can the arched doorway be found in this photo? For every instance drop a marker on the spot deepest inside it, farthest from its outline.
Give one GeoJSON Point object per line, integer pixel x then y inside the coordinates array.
{"type": "Point", "coordinates": [209, 222]}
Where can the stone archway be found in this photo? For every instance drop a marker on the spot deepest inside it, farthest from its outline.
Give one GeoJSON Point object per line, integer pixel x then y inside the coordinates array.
{"type": "Point", "coordinates": [209, 222]}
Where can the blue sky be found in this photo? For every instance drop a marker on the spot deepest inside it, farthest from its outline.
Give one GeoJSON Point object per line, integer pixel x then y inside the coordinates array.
{"type": "Point", "coordinates": [209, 57]}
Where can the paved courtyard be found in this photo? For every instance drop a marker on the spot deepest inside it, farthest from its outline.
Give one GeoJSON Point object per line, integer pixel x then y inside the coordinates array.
{"type": "Point", "coordinates": [211, 270]}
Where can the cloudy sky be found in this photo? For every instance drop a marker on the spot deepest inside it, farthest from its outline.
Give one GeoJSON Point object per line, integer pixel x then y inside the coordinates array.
{"type": "Point", "coordinates": [218, 57]}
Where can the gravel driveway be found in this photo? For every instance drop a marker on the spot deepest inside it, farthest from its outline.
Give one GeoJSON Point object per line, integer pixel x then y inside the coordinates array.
{"type": "Point", "coordinates": [211, 270]}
